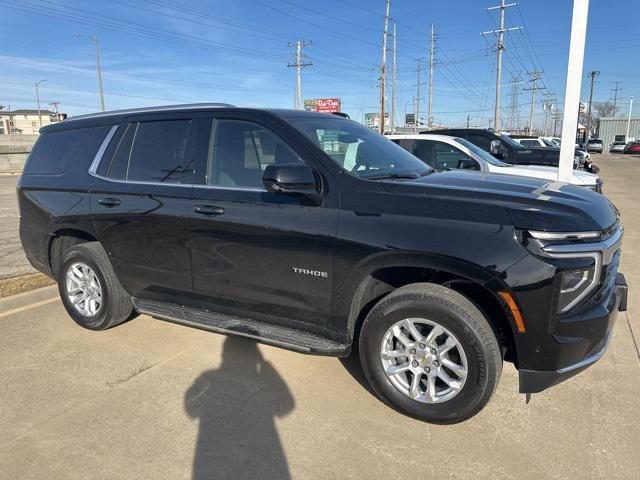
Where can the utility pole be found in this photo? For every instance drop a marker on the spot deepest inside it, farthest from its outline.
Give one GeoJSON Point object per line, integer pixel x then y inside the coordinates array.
{"type": "Point", "coordinates": [499, 49]}
{"type": "Point", "coordinates": [535, 76]}
{"type": "Point", "coordinates": [38, 100]}
{"type": "Point", "coordinates": [394, 87]}
{"type": "Point", "coordinates": [615, 97]}
{"type": "Point", "coordinates": [299, 64]}
{"type": "Point", "coordinates": [55, 108]}
{"type": "Point", "coordinates": [432, 63]}
{"type": "Point", "coordinates": [416, 112]}
{"type": "Point", "coordinates": [99, 70]}
{"type": "Point", "coordinates": [467, 121]}
{"type": "Point", "coordinates": [383, 66]}
{"type": "Point", "coordinates": [626, 137]}
{"type": "Point", "coordinates": [593, 74]}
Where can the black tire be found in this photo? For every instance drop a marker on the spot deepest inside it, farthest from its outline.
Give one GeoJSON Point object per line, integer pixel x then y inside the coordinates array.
{"type": "Point", "coordinates": [116, 306]}
{"type": "Point", "coordinates": [458, 315]}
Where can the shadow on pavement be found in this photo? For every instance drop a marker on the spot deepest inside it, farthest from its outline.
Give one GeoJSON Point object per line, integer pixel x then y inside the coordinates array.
{"type": "Point", "coordinates": [236, 406]}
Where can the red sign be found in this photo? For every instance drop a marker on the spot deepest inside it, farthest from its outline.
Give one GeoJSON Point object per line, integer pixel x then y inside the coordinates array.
{"type": "Point", "coordinates": [328, 105]}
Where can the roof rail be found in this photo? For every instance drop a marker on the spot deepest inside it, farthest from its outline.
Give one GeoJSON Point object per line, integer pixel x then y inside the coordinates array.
{"type": "Point", "coordinates": [161, 108]}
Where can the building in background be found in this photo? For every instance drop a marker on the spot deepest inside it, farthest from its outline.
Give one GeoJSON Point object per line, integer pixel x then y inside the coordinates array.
{"type": "Point", "coordinates": [26, 122]}
{"type": "Point", "coordinates": [614, 129]}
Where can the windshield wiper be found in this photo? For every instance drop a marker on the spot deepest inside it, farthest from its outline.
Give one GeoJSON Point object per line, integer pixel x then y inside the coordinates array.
{"type": "Point", "coordinates": [384, 176]}
{"type": "Point", "coordinates": [393, 175]}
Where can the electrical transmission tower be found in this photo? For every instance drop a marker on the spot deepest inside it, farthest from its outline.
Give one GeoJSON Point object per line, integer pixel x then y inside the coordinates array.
{"type": "Point", "coordinates": [615, 97]}
{"type": "Point", "coordinates": [547, 106]}
{"type": "Point", "coordinates": [299, 64]}
{"type": "Point", "coordinates": [514, 106]}
{"type": "Point", "coordinates": [535, 76]}
{"type": "Point", "coordinates": [499, 48]}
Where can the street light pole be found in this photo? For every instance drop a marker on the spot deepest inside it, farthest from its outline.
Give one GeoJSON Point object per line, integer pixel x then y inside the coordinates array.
{"type": "Point", "coordinates": [626, 137]}
{"type": "Point", "coordinates": [99, 70]}
{"type": "Point", "coordinates": [38, 101]}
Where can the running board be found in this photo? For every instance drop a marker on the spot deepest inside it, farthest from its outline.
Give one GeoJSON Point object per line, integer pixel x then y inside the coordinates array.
{"type": "Point", "coordinates": [276, 335]}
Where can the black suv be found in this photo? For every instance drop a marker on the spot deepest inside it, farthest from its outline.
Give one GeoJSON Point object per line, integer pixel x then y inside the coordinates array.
{"type": "Point", "coordinates": [311, 232]}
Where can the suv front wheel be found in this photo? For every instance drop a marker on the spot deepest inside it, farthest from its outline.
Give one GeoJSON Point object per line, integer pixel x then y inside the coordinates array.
{"type": "Point", "coordinates": [428, 352]}
{"type": "Point", "coordinates": [89, 289]}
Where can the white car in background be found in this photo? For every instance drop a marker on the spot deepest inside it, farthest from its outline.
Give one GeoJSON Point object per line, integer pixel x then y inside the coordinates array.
{"type": "Point", "coordinates": [443, 152]}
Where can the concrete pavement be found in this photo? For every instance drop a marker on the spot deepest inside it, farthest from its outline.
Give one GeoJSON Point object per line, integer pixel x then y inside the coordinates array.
{"type": "Point", "coordinates": [151, 399]}
{"type": "Point", "coordinates": [12, 259]}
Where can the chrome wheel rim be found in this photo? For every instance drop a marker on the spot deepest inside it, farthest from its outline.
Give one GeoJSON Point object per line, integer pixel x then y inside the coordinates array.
{"type": "Point", "coordinates": [423, 360]}
{"type": "Point", "coordinates": [83, 289]}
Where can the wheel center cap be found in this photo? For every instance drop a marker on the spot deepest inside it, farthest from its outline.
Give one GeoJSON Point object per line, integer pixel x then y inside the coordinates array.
{"type": "Point", "coordinates": [423, 356]}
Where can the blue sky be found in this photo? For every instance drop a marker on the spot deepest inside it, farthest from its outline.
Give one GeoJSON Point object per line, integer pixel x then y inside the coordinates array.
{"type": "Point", "coordinates": [160, 51]}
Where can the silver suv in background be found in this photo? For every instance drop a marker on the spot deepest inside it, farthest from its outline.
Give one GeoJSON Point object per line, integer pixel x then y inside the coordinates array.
{"type": "Point", "coordinates": [595, 145]}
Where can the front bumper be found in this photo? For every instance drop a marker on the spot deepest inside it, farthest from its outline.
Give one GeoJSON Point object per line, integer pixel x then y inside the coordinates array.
{"type": "Point", "coordinates": [534, 381]}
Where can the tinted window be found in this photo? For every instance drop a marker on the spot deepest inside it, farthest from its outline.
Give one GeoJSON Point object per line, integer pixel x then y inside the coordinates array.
{"type": "Point", "coordinates": [56, 151]}
{"type": "Point", "coordinates": [117, 169]}
{"type": "Point", "coordinates": [448, 157]}
{"type": "Point", "coordinates": [239, 152]}
{"type": "Point", "coordinates": [529, 143]}
{"type": "Point", "coordinates": [480, 140]}
{"type": "Point", "coordinates": [357, 149]}
{"type": "Point", "coordinates": [159, 151]}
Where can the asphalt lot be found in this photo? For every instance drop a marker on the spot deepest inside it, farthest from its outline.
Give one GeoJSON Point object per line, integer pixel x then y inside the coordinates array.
{"type": "Point", "coordinates": [151, 399]}
{"type": "Point", "coordinates": [12, 259]}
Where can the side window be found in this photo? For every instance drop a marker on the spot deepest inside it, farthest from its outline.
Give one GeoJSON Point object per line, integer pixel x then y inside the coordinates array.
{"type": "Point", "coordinates": [118, 167]}
{"type": "Point", "coordinates": [56, 151]}
{"type": "Point", "coordinates": [529, 143]}
{"type": "Point", "coordinates": [449, 157]}
{"type": "Point", "coordinates": [159, 151]}
{"type": "Point", "coordinates": [239, 151]}
{"type": "Point", "coordinates": [481, 141]}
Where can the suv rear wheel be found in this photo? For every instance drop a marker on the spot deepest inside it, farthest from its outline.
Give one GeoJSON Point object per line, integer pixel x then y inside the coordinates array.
{"type": "Point", "coordinates": [89, 289]}
{"type": "Point", "coordinates": [428, 352]}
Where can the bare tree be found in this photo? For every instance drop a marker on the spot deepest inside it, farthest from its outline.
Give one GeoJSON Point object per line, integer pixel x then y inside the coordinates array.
{"type": "Point", "coordinates": [603, 109]}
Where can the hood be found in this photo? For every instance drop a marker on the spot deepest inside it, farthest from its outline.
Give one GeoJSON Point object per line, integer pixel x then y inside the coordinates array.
{"type": "Point", "coordinates": [530, 203]}
{"type": "Point", "coordinates": [579, 177]}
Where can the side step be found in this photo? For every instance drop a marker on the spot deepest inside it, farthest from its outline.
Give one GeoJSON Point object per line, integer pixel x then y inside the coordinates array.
{"type": "Point", "coordinates": [276, 335]}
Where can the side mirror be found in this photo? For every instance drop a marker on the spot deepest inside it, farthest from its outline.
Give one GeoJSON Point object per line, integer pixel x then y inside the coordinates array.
{"type": "Point", "coordinates": [496, 148]}
{"type": "Point", "coordinates": [289, 178]}
{"type": "Point", "coordinates": [467, 164]}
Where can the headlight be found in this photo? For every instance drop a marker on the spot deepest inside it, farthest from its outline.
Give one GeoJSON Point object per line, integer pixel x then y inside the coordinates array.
{"type": "Point", "coordinates": [575, 285]}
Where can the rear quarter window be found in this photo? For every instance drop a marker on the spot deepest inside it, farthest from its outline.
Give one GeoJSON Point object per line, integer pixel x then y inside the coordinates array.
{"type": "Point", "coordinates": [55, 152]}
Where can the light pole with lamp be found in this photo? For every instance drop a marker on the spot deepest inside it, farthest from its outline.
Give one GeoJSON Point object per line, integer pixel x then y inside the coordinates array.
{"type": "Point", "coordinates": [626, 137]}
{"type": "Point", "coordinates": [95, 44]}
{"type": "Point", "coordinates": [38, 101]}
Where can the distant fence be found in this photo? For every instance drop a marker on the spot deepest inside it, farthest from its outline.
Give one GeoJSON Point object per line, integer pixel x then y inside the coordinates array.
{"type": "Point", "coordinates": [14, 150]}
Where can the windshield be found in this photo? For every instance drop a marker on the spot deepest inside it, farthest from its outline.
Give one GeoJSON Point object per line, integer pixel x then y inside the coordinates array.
{"type": "Point", "coordinates": [483, 155]}
{"type": "Point", "coordinates": [358, 149]}
{"type": "Point", "coordinates": [595, 140]}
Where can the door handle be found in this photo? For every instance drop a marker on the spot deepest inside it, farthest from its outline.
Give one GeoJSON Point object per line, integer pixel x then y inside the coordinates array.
{"type": "Point", "coordinates": [208, 210]}
{"type": "Point", "coordinates": [109, 202]}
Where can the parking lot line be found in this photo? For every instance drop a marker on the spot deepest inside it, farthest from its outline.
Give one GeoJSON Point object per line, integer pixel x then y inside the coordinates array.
{"type": "Point", "coordinates": [28, 307]}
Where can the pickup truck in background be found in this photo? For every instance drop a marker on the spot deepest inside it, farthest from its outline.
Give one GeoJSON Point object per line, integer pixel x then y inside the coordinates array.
{"type": "Point", "coordinates": [508, 150]}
